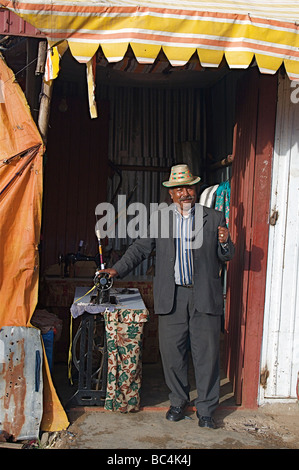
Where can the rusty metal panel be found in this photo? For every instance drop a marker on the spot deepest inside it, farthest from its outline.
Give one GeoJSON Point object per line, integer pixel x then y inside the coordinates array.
{"type": "Point", "coordinates": [13, 25]}
{"type": "Point", "coordinates": [21, 385]}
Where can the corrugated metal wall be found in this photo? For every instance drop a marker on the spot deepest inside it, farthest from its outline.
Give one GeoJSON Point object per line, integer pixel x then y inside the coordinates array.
{"type": "Point", "coordinates": [75, 177]}
{"type": "Point", "coordinates": [151, 126]}
{"type": "Point", "coordinates": [280, 350]}
{"type": "Point", "coordinates": [148, 126]}
{"type": "Point", "coordinates": [147, 123]}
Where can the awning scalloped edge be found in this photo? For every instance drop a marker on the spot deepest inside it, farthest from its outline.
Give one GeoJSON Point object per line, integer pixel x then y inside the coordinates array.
{"type": "Point", "coordinates": [236, 59]}
{"type": "Point", "coordinates": [207, 58]}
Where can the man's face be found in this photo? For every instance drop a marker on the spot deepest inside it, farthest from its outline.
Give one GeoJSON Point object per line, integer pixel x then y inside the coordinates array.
{"type": "Point", "coordinates": [183, 196]}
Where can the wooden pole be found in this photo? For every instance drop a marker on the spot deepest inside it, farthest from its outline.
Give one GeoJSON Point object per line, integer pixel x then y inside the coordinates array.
{"type": "Point", "coordinates": [41, 58]}
{"type": "Point", "coordinates": [44, 109]}
{"type": "Point", "coordinates": [46, 92]}
{"type": "Point", "coordinates": [32, 81]}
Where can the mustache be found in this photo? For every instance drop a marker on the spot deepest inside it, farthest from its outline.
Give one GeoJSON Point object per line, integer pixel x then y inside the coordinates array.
{"type": "Point", "coordinates": [187, 198]}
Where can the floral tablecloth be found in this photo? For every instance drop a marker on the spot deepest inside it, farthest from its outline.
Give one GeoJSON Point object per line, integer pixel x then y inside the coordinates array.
{"type": "Point", "coordinates": [124, 331]}
{"type": "Point", "coordinates": [124, 324]}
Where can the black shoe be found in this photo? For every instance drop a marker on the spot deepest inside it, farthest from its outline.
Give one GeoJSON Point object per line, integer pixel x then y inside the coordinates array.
{"type": "Point", "coordinates": [175, 413]}
{"type": "Point", "coordinates": [206, 422]}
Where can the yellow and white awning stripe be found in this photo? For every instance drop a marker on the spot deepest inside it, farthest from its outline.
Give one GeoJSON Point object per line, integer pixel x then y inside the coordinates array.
{"type": "Point", "coordinates": [240, 31]}
{"type": "Point", "coordinates": [237, 30]}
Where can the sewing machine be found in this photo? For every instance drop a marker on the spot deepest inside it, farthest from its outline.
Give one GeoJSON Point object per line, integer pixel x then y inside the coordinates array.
{"type": "Point", "coordinates": [103, 283]}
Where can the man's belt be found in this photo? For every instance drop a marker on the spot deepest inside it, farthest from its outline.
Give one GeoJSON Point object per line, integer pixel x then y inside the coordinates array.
{"type": "Point", "coordinates": [185, 285]}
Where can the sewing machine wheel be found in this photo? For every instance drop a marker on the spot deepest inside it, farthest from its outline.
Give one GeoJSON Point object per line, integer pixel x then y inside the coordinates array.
{"type": "Point", "coordinates": [103, 281]}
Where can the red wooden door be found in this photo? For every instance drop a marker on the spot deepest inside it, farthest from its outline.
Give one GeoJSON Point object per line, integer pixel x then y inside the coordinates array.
{"type": "Point", "coordinates": [249, 224]}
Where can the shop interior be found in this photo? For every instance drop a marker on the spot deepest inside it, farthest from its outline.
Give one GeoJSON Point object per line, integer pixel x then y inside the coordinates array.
{"type": "Point", "coordinates": [150, 117]}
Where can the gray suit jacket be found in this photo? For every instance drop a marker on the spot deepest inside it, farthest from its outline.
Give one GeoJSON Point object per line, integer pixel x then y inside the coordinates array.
{"type": "Point", "coordinates": [206, 261]}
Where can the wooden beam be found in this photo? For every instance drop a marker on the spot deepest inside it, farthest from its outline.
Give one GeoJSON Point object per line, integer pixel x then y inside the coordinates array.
{"type": "Point", "coordinates": [44, 109]}
{"type": "Point", "coordinates": [41, 58]}
{"type": "Point", "coordinates": [46, 92]}
{"type": "Point", "coordinates": [32, 85]}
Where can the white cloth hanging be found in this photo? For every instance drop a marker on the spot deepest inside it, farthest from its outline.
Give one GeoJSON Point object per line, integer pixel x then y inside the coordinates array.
{"type": "Point", "coordinates": [207, 196]}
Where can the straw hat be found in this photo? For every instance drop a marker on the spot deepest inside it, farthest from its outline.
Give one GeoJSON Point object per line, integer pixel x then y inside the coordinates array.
{"type": "Point", "coordinates": [180, 176]}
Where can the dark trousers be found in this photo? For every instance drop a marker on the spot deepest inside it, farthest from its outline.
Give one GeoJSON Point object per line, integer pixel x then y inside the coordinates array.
{"type": "Point", "coordinates": [179, 331]}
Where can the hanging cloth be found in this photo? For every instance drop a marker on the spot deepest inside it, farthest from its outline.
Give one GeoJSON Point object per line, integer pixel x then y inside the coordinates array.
{"type": "Point", "coordinates": [207, 197]}
{"type": "Point", "coordinates": [223, 199]}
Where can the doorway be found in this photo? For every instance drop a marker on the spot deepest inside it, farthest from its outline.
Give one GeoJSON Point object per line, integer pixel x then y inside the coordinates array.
{"type": "Point", "coordinates": [146, 124]}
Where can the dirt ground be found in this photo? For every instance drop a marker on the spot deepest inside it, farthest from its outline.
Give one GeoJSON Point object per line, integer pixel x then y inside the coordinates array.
{"type": "Point", "coordinates": [274, 426]}
{"type": "Point", "coordinates": [269, 427]}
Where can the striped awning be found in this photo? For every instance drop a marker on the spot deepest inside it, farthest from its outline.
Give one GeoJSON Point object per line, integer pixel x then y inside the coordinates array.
{"type": "Point", "coordinates": [239, 31]}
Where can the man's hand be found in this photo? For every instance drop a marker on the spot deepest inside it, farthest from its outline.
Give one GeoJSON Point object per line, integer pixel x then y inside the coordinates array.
{"type": "Point", "coordinates": [112, 272]}
{"type": "Point", "coordinates": [223, 234]}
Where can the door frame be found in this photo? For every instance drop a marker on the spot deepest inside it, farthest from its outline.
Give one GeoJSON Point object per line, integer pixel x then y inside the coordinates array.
{"type": "Point", "coordinates": [256, 101]}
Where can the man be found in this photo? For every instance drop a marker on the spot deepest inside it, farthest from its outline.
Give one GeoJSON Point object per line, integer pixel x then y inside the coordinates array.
{"type": "Point", "coordinates": [188, 293]}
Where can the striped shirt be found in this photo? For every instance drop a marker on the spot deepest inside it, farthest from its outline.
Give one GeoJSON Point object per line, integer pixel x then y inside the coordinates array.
{"type": "Point", "coordinates": [183, 269]}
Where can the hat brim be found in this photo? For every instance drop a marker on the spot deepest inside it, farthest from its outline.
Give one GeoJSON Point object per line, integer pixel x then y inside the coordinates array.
{"type": "Point", "coordinates": [173, 184]}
